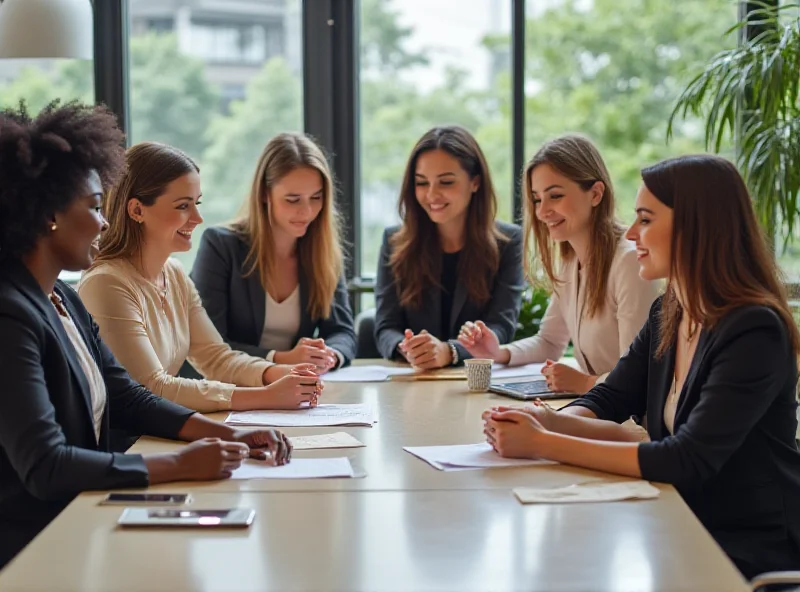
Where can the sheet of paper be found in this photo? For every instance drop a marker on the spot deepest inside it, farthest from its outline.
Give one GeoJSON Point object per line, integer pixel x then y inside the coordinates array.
{"type": "Point", "coordinates": [592, 491]}
{"type": "Point", "coordinates": [501, 372]}
{"type": "Point", "coordinates": [298, 468]}
{"type": "Point", "coordinates": [321, 415]}
{"type": "Point", "coordinates": [368, 373]}
{"type": "Point", "coordinates": [335, 440]}
{"type": "Point", "coordinates": [468, 456]}
{"type": "Point", "coordinates": [358, 374]}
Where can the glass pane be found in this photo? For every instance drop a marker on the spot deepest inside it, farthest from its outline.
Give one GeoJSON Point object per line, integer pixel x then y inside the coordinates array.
{"type": "Point", "coordinates": [426, 63]}
{"type": "Point", "coordinates": [40, 81]}
{"type": "Point", "coordinates": [217, 80]}
{"type": "Point", "coordinates": [612, 69]}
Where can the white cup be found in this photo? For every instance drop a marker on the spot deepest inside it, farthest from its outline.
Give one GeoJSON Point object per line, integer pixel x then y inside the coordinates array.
{"type": "Point", "coordinates": [479, 374]}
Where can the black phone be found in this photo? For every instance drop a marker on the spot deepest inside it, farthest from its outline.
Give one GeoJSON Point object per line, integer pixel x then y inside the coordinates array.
{"type": "Point", "coordinates": [146, 499]}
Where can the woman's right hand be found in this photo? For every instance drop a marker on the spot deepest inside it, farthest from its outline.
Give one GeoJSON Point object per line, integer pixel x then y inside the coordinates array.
{"type": "Point", "coordinates": [210, 458]}
{"type": "Point", "coordinates": [308, 351]}
{"type": "Point", "coordinates": [480, 341]}
{"type": "Point", "coordinates": [295, 390]}
{"type": "Point", "coordinates": [540, 410]}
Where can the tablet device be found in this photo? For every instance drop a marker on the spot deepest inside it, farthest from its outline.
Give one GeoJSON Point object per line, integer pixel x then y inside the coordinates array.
{"type": "Point", "coordinates": [146, 499]}
{"type": "Point", "coordinates": [527, 391]}
{"type": "Point", "coordinates": [225, 518]}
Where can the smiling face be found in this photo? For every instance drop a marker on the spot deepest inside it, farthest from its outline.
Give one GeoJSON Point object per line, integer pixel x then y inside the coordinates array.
{"type": "Point", "coordinates": [168, 223]}
{"type": "Point", "coordinates": [443, 188]}
{"type": "Point", "coordinates": [562, 205]}
{"type": "Point", "coordinates": [295, 201]}
{"type": "Point", "coordinates": [652, 233]}
{"type": "Point", "coordinates": [78, 227]}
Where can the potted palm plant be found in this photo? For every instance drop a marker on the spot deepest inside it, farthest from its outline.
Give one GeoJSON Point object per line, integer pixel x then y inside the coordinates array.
{"type": "Point", "coordinates": [750, 94]}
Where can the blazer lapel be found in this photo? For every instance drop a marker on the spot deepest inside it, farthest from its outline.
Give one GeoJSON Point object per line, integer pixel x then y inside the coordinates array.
{"type": "Point", "coordinates": [575, 293]}
{"type": "Point", "coordinates": [307, 324]}
{"type": "Point", "coordinates": [661, 387]}
{"type": "Point", "coordinates": [459, 300]}
{"type": "Point", "coordinates": [691, 376]}
{"type": "Point", "coordinates": [28, 286]}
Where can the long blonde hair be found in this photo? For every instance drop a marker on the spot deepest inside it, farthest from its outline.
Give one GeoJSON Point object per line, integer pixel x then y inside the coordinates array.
{"type": "Point", "coordinates": [578, 159]}
{"type": "Point", "coordinates": [319, 251]}
{"type": "Point", "coordinates": [150, 167]}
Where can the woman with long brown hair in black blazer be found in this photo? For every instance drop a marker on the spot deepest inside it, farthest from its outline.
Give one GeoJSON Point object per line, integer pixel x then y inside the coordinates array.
{"type": "Point", "coordinates": [450, 261]}
{"type": "Point", "coordinates": [714, 369]}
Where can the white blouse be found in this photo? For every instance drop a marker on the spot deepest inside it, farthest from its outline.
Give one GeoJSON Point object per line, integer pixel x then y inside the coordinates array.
{"type": "Point", "coordinates": [281, 322]}
{"type": "Point", "coordinates": [598, 341]}
{"type": "Point", "coordinates": [97, 385]}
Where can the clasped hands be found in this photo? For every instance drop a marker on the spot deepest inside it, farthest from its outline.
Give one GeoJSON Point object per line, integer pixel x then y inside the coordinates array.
{"type": "Point", "coordinates": [310, 351]}
{"type": "Point", "coordinates": [425, 351]}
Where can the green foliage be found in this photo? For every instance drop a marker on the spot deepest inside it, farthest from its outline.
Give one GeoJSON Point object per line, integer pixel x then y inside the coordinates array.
{"type": "Point", "coordinates": [171, 99]}
{"type": "Point", "coordinates": [751, 92]}
{"type": "Point", "coordinates": [534, 305]}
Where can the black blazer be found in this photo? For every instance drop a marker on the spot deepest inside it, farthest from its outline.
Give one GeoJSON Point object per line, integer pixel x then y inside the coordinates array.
{"type": "Point", "coordinates": [500, 313]}
{"type": "Point", "coordinates": [237, 304]}
{"type": "Point", "coordinates": [48, 450]}
{"type": "Point", "coordinates": [733, 456]}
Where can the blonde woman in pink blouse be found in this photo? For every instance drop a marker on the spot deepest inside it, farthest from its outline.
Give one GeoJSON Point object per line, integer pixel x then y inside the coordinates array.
{"type": "Point", "coordinates": [148, 310]}
{"type": "Point", "coordinates": [599, 301]}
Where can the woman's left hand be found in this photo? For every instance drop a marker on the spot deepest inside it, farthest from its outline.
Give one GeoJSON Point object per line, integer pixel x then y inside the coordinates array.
{"type": "Point", "coordinates": [513, 434]}
{"type": "Point", "coordinates": [266, 444]}
{"type": "Point", "coordinates": [565, 379]}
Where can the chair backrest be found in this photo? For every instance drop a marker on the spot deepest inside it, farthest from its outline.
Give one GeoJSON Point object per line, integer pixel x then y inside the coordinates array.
{"type": "Point", "coordinates": [365, 336]}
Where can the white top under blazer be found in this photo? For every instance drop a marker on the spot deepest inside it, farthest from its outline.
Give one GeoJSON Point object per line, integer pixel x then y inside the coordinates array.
{"type": "Point", "coordinates": [601, 340]}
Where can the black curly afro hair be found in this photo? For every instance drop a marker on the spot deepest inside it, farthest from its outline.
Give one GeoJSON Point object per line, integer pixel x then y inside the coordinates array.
{"type": "Point", "coordinates": [45, 162]}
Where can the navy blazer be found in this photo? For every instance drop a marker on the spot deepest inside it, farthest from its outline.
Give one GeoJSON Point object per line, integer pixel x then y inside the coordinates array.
{"type": "Point", "coordinates": [733, 456]}
{"type": "Point", "coordinates": [48, 449]}
{"type": "Point", "coordinates": [499, 313]}
{"type": "Point", "coordinates": [237, 304]}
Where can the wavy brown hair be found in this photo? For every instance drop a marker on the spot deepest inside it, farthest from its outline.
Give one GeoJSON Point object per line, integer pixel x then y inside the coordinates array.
{"type": "Point", "coordinates": [416, 258]}
{"type": "Point", "coordinates": [720, 256]}
{"type": "Point", "coordinates": [577, 158]}
{"type": "Point", "coordinates": [319, 251]}
{"type": "Point", "coordinates": [151, 166]}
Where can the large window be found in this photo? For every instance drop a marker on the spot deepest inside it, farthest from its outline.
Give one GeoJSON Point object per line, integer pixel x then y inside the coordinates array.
{"type": "Point", "coordinates": [426, 63]}
{"type": "Point", "coordinates": [612, 69]}
{"type": "Point", "coordinates": [217, 80]}
{"type": "Point", "coordinates": [40, 81]}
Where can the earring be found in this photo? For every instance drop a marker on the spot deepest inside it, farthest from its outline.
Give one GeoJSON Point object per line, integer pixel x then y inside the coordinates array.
{"type": "Point", "coordinates": [53, 227]}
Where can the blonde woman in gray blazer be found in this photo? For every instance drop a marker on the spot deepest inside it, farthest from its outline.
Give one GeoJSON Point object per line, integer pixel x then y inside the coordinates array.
{"type": "Point", "coordinates": [599, 302]}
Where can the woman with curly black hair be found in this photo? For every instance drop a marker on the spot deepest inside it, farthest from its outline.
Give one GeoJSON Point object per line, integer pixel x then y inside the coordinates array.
{"type": "Point", "coordinates": [63, 391]}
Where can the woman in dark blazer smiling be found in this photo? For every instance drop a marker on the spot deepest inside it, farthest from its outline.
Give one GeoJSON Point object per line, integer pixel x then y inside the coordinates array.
{"type": "Point", "coordinates": [63, 391]}
{"type": "Point", "coordinates": [272, 281]}
{"type": "Point", "coordinates": [714, 369]}
{"type": "Point", "coordinates": [449, 262]}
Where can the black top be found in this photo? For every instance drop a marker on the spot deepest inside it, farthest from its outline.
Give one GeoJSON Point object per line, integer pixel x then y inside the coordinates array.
{"type": "Point", "coordinates": [48, 449]}
{"type": "Point", "coordinates": [449, 282]}
{"type": "Point", "coordinates": [733, 456]}
{"type": "Point", "coordinates": [237, 304]}
{"type": "Point", "coordinates": [500, 312]}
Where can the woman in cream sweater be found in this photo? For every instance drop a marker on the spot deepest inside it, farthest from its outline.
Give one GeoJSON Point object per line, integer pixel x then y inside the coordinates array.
{"type": "Point", "coordinates": [147, 308]}
{"type": "Point", "coordinates": [598, 301]}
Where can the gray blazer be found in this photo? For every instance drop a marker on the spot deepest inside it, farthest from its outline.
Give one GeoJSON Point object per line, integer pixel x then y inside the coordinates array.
{"type": "Point", "coordinates": [237, 304]}
{"type": "Point", "coordinates": [499, 313]}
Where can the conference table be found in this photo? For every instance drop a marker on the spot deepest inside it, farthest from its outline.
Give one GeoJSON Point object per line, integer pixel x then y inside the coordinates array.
{"type": "Point", "coordinates": [400, 525]}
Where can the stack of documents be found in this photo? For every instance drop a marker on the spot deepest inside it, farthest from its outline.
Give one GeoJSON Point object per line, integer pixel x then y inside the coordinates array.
{"type": "Point", "coordinates": [468, 456]}
{"type": "Point", "coordinates": [321, 415]}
